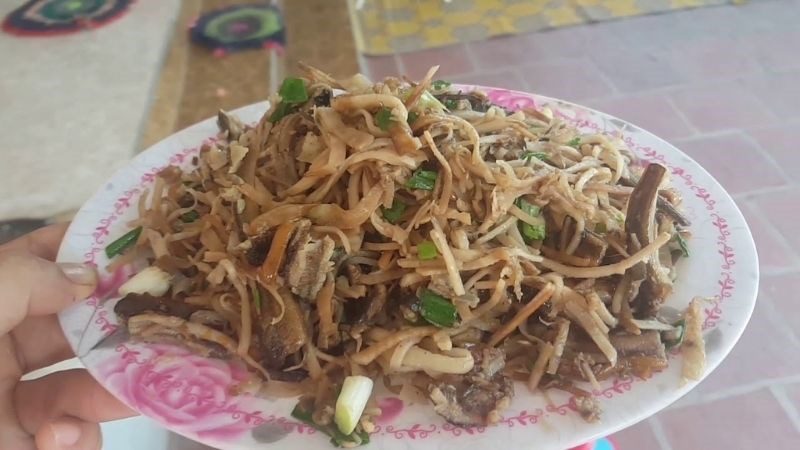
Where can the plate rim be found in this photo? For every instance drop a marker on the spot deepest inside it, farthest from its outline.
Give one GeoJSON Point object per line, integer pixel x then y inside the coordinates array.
{"type": "Point", "coordinates": [723, 197]}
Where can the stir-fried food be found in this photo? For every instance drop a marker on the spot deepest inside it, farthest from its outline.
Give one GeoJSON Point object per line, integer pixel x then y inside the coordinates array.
{"type": "Point", "coordinates": [413, 235]}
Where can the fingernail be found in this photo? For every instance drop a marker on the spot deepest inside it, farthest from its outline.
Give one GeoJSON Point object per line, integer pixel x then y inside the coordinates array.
{"type": "Point", "coordinates": [66, 434]}
{"type": "Point", "coordinates": [79, 273]}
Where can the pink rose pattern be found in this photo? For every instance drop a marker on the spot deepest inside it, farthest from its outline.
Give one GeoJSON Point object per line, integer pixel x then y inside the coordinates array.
{"type": "Point", "coordinates": [191, 394]}
{"type": "Point", "coordinates": [180, 389]}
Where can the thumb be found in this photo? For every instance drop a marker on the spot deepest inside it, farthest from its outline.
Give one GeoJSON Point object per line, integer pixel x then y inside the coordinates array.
{"type": "Point", "coordinates": [69, 433]}
{"type": "Point", "coordinates": [35, 286]}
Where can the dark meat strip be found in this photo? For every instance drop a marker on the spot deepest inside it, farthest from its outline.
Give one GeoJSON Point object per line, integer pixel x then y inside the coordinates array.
{"type": "Point", "coordinates": [662, 203]}
{"type": "Point", "coordinates": [308, 262]}
{"type": "Point", "coordinates": [640, 224]}
{"type": "Point", "coordinates": [281, 340]}
{"type": "Point", "coordinates": [477, 397]}
{"type": "Point", "coordinates": [641, 355]}
{"type": "Point", "coordinates": [135, 304]}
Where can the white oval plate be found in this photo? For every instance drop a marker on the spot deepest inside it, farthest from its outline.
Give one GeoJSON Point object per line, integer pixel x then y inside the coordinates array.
{"type": "Point", "coordinates": [189, 394]}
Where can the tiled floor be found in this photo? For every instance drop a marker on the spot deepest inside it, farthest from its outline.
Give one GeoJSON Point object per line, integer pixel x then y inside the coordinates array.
{"type": "Point", "coordinates": [723, 84]}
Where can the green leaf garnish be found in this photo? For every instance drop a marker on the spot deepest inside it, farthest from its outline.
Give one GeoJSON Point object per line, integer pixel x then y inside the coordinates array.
{"type": "Point", "coordinates": [190, 216]}
{"type": "Point", "coordinates": [538, 155]}
{"type": "Point", "coordinates": [426, 250]}
{"type": "Point", "coordinates": [393, 214]}
{"type": "Point", "coordinates": [293, 90]}
{"type": "Point", "coordinates": [384, 118]}
{"type": "Point", "coordinates": [682, 244]}
{"type": "Point", "coordinates": [530, 232]}
{"type": "Point", "coordinates": [436, 309]}
{"type": "Point", "coordinates": [422, 179]}
{"type": "Point", "coordinates": [123, 243]}
{"type": "Point", "coordinates": [412, 117]}
{"type": "Point", "coordinates": [439, 85]}
{"type": "Point", "coordinates": [575, 142]}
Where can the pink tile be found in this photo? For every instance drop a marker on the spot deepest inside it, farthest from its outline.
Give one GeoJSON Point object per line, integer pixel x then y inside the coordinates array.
{"type": "Point", "coordinates": [639, 436]}
{"type": "Point", "coordinates": [773, 254]}
{"type": "Point", "coordinates": [452, 60]}
{"type": "Point", "coordinates": [793, 392]}
{"type": "Point", "coordinates": [633, 69]}
{"type": "Point", "coordinates": [504, 79]}
{"type": "Point", "coordinates": [713, 58]}
{"type": "Point", "coordinates": [650, 111]}
{"type": "Point", "coordinates": [571, 80]}
{"type": "Point", "coordinates": [754, 420]}
{"type": "Point", "coordinates": [775, 51]}
{"type": "Point", "coordinates": [782, 291]}
{"type": "Point", "coordinates": [381, 66]}
{"type": "Point", "coordinates": [781, 142]}
{"type": "Point", "coordinates": [781, 209]}
{"type": "Point", "coordinates": [779, 92]}
{"type": "Point", "coordinates": [721, 106]}
{"type": "Point", "coordinates": [503, 51]}
{"type": "Point", "coordinates": [758, 356]}
{"type": "Point", "coordinates": [747, 171]}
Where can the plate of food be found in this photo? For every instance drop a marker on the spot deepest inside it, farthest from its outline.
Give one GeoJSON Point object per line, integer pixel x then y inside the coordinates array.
{"type": "Point", "coordinates": [408, 264]}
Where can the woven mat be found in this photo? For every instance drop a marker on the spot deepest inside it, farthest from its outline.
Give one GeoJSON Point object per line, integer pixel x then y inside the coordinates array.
{"type": "Point", "coordinates": [397, 26]}
{"type": "Point", "coordinates": [194, 83]}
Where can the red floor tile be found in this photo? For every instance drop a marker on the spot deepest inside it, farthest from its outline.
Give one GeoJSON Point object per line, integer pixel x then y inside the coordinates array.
{"type": "Point", "coordinates": [381, 66]}
{"type": "Point", "coordinates": [779, 92]}
{"type": "Point", "coordinates": [720, 106]}
{"type": "Point", "coordinates": [776, 51]}
{"type": "Point", "coordinates": [650, 111]}
{"type": "Point", "coordinates": [713, 58]}
{"type": "Point", "coordinates": [749, 421]}
{"type": "Point", "coordinates": [793, 392]}
{"type": "Point", "coordinates": [452, 60]}
{"type": "Point", "coordinates": [781, 142]}
{"type": "Point", "coordinates": [783, 291]}
{"type": "Point", "coordinates": [574, 80]}
{"type": "Point", "coordinates": [634, 70]}
{"type": "Point", "coordinates": [502, 51]}
{"type": "Point", "coordinates": [782, 211]}
{"type": "Point", "coordinates": [637, 437]}
{"type": "Point", "coordinates": [773, 254]}
{"type": "Point", "coordinates": [759, 356]}
{"type": "Point", "coordinates": [734, 161]}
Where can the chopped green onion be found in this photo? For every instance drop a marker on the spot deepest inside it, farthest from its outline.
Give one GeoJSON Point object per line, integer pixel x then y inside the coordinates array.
{"type": "Point", "coordinates": [338, 439]}
{"type": "Point", "coordinates": [439, 85]}
{"type": "Point", "coordinates": [412, 117]}
{"type": "Point", "coordinates": [450, 103]}
{"type": "Point", "coordinates": [428, 102]}
{"type": "Point", "coordinates": [672, 340]}
{"type": "Point", "coordinates": [422, 179]}
{"type": "Point", "coordinates": [575, 142]}
{"type": "Point", "coordinates": [350, 404]}
{"type": "Point", "coordinates": [426, 250]}
{"type": "Point", "coordinates": [436, 309]}
{"type": "Point", "coordinates": [293, 90]}
{"type": "Point", "coordinates": [190, 216]}
{"type": "Point", "coordinates": [538, 155]}
{"type": "Point", "coordinates": [527, 207]}
{"type": "Point", "coordinates": [281, 110]}
{"type": "Point", "coordinates": [123, 243]}
{"type": "Point", "coordinates": [384, 118]}
{"type": "Point", "coordinates": [530, 232]}
{"type": "Point", "coordinates": [683, 244]}
{"type": "Point", "coordinates": [393, 214]}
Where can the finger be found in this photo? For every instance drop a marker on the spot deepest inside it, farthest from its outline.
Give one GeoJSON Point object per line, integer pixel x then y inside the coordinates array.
{"type": "Point", "coordinates": [31, 285]}
{"type": "Point", "coordinates": [71, 393]}
{"type": "Point", "coordinates": [43, 242]}
{"type": "Point", "coordinates": [40, 342]}
{"type": "Point", "coordinates": [69, 433]}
